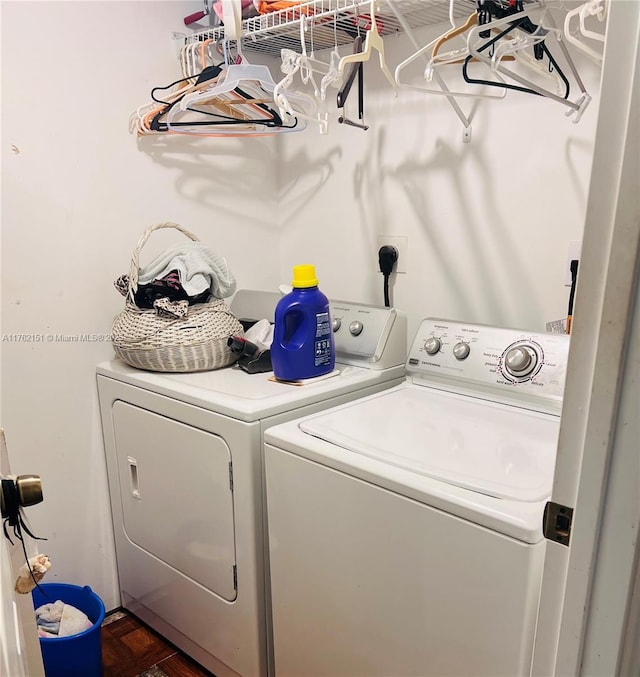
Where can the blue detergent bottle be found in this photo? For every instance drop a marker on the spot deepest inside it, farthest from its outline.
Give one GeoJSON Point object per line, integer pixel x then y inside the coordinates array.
{"type": "Point", "coordinates": [303, 344]}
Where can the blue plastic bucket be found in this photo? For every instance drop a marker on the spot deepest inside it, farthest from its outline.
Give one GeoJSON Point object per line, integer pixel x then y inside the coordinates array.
{"type": "Point", "coordinates": [76, 655]}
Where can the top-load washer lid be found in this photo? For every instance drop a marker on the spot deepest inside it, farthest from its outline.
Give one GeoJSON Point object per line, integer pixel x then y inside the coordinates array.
{"type": "Point", "coordinates": [490, 448]}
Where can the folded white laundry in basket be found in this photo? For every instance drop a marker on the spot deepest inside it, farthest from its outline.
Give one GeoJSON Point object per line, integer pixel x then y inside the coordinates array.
{"type": "Point", "coordinates": [198, 267]}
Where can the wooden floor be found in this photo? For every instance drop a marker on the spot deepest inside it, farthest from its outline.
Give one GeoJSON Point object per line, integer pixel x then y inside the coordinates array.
{"type": "Point", "coordinates": [132, 649]}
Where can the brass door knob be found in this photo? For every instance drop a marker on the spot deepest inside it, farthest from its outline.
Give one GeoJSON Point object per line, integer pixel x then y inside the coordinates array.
{"type": "Point", "coordinates": [29, 490]}
{"type": "Point", "coordinates": [26, 491]}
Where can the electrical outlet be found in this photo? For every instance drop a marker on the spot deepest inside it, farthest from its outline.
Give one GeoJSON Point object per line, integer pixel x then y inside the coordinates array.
{"type": "Point", "coordinates": [401, 243]}
{"type": "Point", "coordinates": [572, 254]}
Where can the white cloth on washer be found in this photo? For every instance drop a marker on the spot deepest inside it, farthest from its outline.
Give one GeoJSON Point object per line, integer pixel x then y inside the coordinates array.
{"type": "Point", "coordinates": [260, 333]}
{"type": "Point", "coordinates": [198, 267]}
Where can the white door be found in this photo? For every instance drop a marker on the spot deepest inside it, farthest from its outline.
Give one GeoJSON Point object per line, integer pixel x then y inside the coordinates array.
{"type": "Point", "coordinates": [590, 603]}
{"type": "Point", "coordinates": [12, 658]}
{"type": "Point", "coordinates": [20, 654]}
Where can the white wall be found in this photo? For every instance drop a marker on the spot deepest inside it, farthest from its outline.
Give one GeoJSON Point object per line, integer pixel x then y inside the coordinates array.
{"type": "Point", "coordinates": [488, 223]}
{"type": "Point", "coordinates": [77, 193]}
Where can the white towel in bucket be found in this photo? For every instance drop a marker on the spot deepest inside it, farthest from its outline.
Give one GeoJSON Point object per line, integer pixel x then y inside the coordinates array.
{"type": "Point", "coordinates": [61, 620]}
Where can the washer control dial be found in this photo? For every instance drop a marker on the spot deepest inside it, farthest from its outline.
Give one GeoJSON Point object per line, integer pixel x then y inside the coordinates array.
{"type": "Point", "coordinates": [336, 322]}
{"type": "Point", "coordinates": [461, 350]}
{"type": "Point", "coordinates": [521, 360]}
{"type": "Point", "coordinates": [432, 345]}
{"type": "Point", "coordinates": [356, 328]}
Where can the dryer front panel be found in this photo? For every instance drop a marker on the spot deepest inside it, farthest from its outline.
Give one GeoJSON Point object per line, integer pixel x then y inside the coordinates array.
{"type": "Point", "coordinates": [176, 493]}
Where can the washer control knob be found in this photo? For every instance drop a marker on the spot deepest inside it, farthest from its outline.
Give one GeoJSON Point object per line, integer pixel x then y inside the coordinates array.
{"type": "Point", "coordinates": [356, 328]}
{"type": "Point", "coordinates": [432, 345]}
{"type": "Point", "coordinates": [336, 323]}
{"type": "Point", "coordinates": [521, 360]}
{"type": "Point", "coordinates": [461, 350]}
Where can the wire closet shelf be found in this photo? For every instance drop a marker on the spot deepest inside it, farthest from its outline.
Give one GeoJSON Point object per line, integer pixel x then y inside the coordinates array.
{"type": "Point", "coordinates": [332, 22]}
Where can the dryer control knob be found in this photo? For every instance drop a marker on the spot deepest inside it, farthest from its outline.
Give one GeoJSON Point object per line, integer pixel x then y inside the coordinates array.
{"type": "Point", "coordinates": [461, 350]}
{"type": "Point", "coordinates": [356, 328]}
{"type": "Point", "coordinates": [336, 323]}
{"type": "Point", "coordinates": [521, 360]}
{"type": "Point", "coordinates": [432, 345]}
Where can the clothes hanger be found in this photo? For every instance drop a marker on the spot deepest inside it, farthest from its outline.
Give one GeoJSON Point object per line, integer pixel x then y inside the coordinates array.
{"type": "Point", "coordinates": [248, 108]}
{"type": "Point", "coordinates": [283, 96]}
{"type": "Point", "coordinates": [512, 48]}
{"type": "Point", "coordinates": [357, 70]}
{"type": "Point", "coordinates": [251, 81]}
{"type": "Point", "coordinates": [526, 86]}
{"type": "Point", "coordinates": [333, 77]}
{"type": "Point", "coordinates": [223, 111]}
{"type": "Point", "coordinates": [431, 67]}
{"type": "Point", "coordinates": [471, 21]}
{"type": "Point", "coordinates": [455, 56]}
{"type": "Point", "coordinates": [593, 8]}
{"type": "Point", "coordinates": [451, 100]}
{"type": "Point", "coordinates": [522, 21]}
{"type": "Point", "coordinates": [372, 41]}
{"type": "Point", "coordinates": [140, 121]}
{"type": "Point", "coordinates": [255, 85]}
{"type": "Point", "coordinates": [237, 111]}
{"type": "Point", "coordinates": [252, 77]}
{"type": "Point", "coordinates": [234, 112]}
{"type": "Point", "coordinates": [237, 118]}
{"type": "Point", "coordinates": [305, 64]}
{"type": "Point", "coordinates": [153, 121]}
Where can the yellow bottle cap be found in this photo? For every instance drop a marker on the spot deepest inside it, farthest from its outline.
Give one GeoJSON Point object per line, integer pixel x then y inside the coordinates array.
{"type": "Point", "coordinates": [304, 276]}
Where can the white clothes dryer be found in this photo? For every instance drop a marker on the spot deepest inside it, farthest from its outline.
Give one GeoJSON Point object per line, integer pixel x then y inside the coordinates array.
{"type": "Point", "coordinates": [405, 528]}
{"type": "Point", "coordinates": [184, 462]}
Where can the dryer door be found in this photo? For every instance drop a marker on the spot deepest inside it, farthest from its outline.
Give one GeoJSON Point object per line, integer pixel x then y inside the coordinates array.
{"type": "Point", "coordinates": [176, 494]}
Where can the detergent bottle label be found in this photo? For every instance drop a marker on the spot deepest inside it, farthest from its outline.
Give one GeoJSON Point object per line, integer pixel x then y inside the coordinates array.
{"type": "Point", "coordinates": [323, 352]}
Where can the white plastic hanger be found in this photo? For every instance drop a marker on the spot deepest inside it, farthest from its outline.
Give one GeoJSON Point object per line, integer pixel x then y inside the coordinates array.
{"type": "Point", "coordinates": [333, 76]}
{"type": "Point", "coordinates": [593, 8]}
{"type": "Point", "coordinates": [255, 80]}
{"type": "Point", "coordinates": [193, 59]}
{"type": "Point", "coordinates": [284, 97]}
{"type": "Point", "coordinates": [307, 62]}
{"type": "Point", "coordinates": [373, 40]}
{"type": "Point", "coordinates": [306, 65]}
{"type": "Point", "coordinates": [474, 43]}
{"type": "Point", "coordinates": [517, 42]}
{"type": "Point", "coordinates": [442, 58]}
{"type": "Point", "coordinates": [466, 136]}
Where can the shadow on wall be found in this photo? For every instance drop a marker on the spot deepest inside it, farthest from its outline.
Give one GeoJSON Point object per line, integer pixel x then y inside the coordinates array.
{"type": "Point", "coordinates": [221, 173]}
{"type": "Point", "coordinates": [301, 179]}
{"type": "Point", "coordinates": [369, 194]}
{"type": "Point", "coordinates": [572, 149]}
{"type": "Point", "coordinates": [412, 176]}
{"type": "Point", "coordinates": [483, 238]}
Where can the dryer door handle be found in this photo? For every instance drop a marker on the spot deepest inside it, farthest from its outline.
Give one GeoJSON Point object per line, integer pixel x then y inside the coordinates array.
{"type": "Point", "coordinates": [133, 478]}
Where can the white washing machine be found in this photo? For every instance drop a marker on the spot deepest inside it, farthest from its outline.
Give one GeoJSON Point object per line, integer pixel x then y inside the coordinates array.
{"type": "Point", "coordinates": [405, 529]}
{"type": "Point", "coordinates": [184, 461]}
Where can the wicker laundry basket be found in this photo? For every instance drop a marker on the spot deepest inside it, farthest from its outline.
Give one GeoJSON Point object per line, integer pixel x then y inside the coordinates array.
{"type": "Point", "coordinates": [147, 340]}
